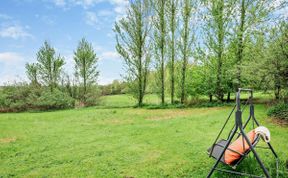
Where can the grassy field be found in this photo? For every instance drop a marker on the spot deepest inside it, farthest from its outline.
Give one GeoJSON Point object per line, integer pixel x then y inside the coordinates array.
{"type": "Point", "coordinates": [117, 140]}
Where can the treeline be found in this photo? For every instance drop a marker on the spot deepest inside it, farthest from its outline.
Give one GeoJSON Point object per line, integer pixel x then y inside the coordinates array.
{"type": "Point", "coordinates": [115, 88]}
{"type": "Point", "coordinates": [50, 87]}
{"type": "Point", "coordinates": [188, 48]}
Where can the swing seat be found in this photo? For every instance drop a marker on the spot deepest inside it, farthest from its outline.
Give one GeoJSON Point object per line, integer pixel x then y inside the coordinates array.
{"type": "Point", "coordinates": [236, 151]}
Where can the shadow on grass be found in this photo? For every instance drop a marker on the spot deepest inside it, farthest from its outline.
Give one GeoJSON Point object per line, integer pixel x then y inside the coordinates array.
{"type": "Point", "coordinates": [251, 166]}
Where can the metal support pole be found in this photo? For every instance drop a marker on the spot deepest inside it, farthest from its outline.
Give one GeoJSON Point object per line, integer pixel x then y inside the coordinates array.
{"type": "Point", "coordinates": [255, 154]}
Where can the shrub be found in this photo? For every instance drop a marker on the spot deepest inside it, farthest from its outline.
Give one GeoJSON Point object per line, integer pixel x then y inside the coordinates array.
{"type": "Point", "coordinates": [92, 97]}
{"type": "Point", "coordinates": [279, 111]}
{"type": "Point", "coordinates": [14, 98]}
{"type": "Point", "coordinates": [23, 97]}
{"type": "Point", "coordinates": [54, 100]}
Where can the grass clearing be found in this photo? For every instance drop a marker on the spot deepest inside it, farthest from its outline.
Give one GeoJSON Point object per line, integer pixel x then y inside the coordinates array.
{"type": "Point", "coordinates": [122, 142]}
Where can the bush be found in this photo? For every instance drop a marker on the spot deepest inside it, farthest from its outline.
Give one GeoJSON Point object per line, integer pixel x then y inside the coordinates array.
{"type": "Point", "coordinates": [54, 100]}
{"type": "Point", "coordinates": [279, 111]}
{"type": "Point", "coordinates": [92, 97]}
{"type": "Point", "coordinates": [14, 98]}
{"type": "Point", "coordinates": [23, 97]}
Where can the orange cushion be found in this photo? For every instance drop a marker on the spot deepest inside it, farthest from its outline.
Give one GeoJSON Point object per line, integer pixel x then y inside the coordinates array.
{"type": "Point", "coordinates": [237, 145]}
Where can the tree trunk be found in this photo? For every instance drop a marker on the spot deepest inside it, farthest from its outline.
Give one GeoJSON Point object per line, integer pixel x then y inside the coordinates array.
{"type": "Point", "coordinates": [210, 98]}
{"type": "Point", "coordinates": [140, 92]}
{"type": "Point", "coordinates": [228, 97]}
{"type": "Point", "coordinates": [172, 77]}
{"type": "Point", "coordinates": [277, 81]}
{"type": "Point", "coordinates": [219, 90]}
{"type": "Point", "coordinates": [277, 90]}
{"type": "Point", "coordinates": [173, 26]}
{"type": "Point", "coordinates": [185, 55]}
{"type": "Point", "coordinates": [220, 36]}
{"type": "Point", "coordinates": [183, 80]}
{"type": "Point", "coordinates": [162, 79]}
{"type": "Point", "coordinates": [240, 45]}
{"type": "Point", "coordinates": [140, 77]}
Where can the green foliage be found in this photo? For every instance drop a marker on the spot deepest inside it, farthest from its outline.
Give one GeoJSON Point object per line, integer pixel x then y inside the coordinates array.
{"type": "Point", "coordinates": [185, 43]}
{"type": "Point", "coordinates": [193, 84]}
{"type": "Point", "coordinates": [172, 42]}
{"type": "Point", "coordinates": [160, 38]}
{"type": "Point", "coordinates": [133, 46]}
{"type": "Point", "coordinates": [32, 73]}
{"type": "Point", "coordinates": [86, 67]}
{"type": "Point", "coordinates": [14, 98]}
{"type": "Point", "coordinates": [49, 65]}
{"type": "Point", "coordinates": [279, 111]}
{"type": "Point", "coordinates": [23, 97]}
{"type": "Point", "coordinates": [92, 96]}
{"type": "Point", "coordinates": [54, 100]}
{"type": "Point", "coordinates": [116, 87]}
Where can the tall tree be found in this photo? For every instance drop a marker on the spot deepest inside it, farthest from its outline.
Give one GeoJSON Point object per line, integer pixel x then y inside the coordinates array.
{"type": "Point", "coordinates": [133, 46]}
{"type": "Point", "coordinates": [185, 43]}
{"type": "Point", "coordinates": [86, 65]}
{"type": "Point", "coordinates": [216, 32]}
{"type": "Point", "coordinates": [50, 65]}
{"type": "Point", "coordinates": [159, 24]}
{"type": "Point", "coordinates": [251, 15]}
{"type": "Point", "coordinates": [278, 59]}
{"type": "Point", "coordinates": [173, 24]}
{"type": "Point", "coordinates": [32, 73]}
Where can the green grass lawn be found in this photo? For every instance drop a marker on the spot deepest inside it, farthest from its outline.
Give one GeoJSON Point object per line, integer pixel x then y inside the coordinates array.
{"type": "Point", "coordinates": [122, 142]}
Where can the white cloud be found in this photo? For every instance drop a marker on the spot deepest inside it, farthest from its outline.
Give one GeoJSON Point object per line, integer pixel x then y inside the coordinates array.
{"type": "Point", "coordinates": [105, 80]}
{"type": "Point", "coordinates": [12, 67]}
{"type": "Point", "coordinates": [92, 19]}
{"type": "Point", "coordinates": [105, 13]}
{"type": "Point", "coordinates": [119, 6]}
{"type": "Point", "coordinates": [10, 57]}
{"type": "Point", "coordinates": [105, 54]}
{"type": "Point", "coordinates": [99, 19]}
{"type": "Point", "coordinates": [49, 20]}
{"type": "Point", "coordinates": [87, 3]}
{"type": "Point", "coordinates": [60, 3]}
{"type": "Point", "coordinates": [109, 55]}
{"type": "Point", "coordinates": [15, 32]}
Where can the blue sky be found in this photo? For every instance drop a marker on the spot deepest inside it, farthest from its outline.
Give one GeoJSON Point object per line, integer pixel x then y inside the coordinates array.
{"type": "Point", "coordinates": [25, 24]}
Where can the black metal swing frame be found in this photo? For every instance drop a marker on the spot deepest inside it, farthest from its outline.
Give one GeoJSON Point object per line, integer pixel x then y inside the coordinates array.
{"type": "Point", "coordinates": [238, 128]}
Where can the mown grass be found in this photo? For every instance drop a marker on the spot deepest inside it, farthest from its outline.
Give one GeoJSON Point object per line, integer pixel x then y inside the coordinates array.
{"type": "Point", "coordinates": [122, 142]}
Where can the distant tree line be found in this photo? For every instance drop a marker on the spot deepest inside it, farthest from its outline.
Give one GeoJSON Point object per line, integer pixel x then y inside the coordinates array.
{"type": "Point", "coordinates": [115, 88]}
{"type": "Point", "coordinates": [188, 48]}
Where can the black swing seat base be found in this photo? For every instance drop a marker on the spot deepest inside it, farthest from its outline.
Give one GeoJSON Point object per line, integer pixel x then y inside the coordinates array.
{"type": "Point", "coordinates": [217, 150]}
{"type": "Point", "coordinates": [219, 147]}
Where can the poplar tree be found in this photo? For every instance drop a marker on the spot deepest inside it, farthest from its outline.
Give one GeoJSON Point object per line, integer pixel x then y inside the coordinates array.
{"type": "Point", "coordinates": [132, 44]}
{"type": "Point", "coordinates": [250, 15]}
{"type": "Point", "coordinates": [173, 25]}
{"type": "Point", "coordinates": [50, 65]}
{"type": "Point", "coordinates": [185, 43]}
{"type": "Point", "coordinates": [32, 73]}
{"type": "Point", "coordinates": [218, 22]}
{"type": "Point", "coordinates": [160, 35]}
{"type": "Point", "coordinates": [86, 65]}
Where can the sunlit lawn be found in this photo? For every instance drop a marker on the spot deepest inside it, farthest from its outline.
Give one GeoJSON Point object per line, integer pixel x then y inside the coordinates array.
{"type": "Point", "coordinates": [121, 142]}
